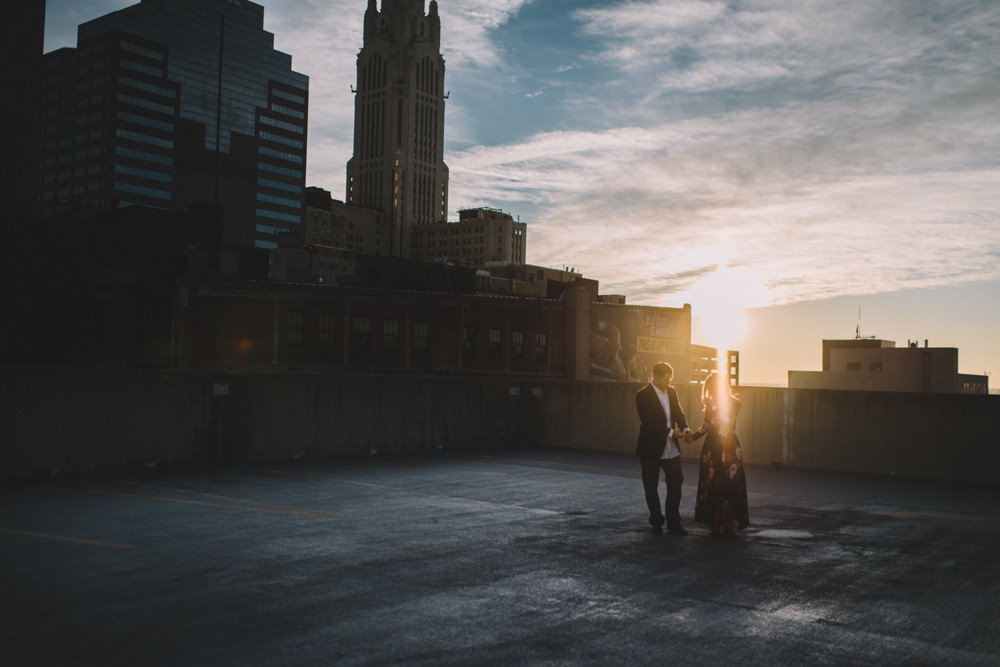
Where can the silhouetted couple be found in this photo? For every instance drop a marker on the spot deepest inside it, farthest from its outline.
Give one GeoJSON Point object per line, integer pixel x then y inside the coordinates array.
{"type": "Point", "coordinates": [721, 502]}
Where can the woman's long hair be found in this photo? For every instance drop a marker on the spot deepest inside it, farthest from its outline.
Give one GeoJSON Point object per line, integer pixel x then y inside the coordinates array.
{"type": "Point", "coordinates": [717, 393]}
{"type": "Point", "coordinates": [716, 386]}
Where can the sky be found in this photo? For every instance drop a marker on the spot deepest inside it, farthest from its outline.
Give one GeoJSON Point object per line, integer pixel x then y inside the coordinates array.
{"type": "Point", "coordinates": [783, 166]}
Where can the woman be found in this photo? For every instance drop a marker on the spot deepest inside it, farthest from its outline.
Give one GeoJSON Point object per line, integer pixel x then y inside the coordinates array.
{"type": "Point", "coordinates": [722, 486]}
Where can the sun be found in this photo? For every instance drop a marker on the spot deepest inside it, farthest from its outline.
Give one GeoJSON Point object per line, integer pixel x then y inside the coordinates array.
{"type": "Point", "coordinates": [718, 302]}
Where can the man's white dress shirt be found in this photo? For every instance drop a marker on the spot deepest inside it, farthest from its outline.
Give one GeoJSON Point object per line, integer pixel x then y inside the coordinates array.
{"type": "Point", "coordinates": [671, 451]}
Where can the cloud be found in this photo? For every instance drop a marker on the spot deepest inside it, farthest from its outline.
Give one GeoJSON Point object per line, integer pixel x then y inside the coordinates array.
{"type": "Point", "coordinates": [817, 210]}
{"type": "Point", "coordinates": [831, 148]}
{"type": "Point", "coordinates": [468, 31]}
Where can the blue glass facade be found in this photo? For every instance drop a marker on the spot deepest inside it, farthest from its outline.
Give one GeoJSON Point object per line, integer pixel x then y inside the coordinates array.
{"type": "Point", "coordinates": [170, 103]}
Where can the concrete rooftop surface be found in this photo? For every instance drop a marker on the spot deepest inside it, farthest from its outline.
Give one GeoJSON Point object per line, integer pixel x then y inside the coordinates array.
{"type": "Point", "coordinates": [534, 557]}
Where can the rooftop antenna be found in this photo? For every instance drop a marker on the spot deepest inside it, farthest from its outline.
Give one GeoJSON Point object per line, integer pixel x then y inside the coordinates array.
{"type": "Point", "coordinates": [857, 331]}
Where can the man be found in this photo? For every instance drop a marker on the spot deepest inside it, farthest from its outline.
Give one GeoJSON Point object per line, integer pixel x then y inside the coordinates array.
{"type": "Point", "coordinates": [661, 420]}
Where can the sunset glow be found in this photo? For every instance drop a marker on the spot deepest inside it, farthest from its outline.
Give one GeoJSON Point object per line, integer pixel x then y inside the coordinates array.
{"type": "Point", "coordinates": [719, 302]}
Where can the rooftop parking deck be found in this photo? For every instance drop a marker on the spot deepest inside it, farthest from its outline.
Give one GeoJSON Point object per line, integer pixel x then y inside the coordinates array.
{"type": "Point", "coordinates": [498, 557]}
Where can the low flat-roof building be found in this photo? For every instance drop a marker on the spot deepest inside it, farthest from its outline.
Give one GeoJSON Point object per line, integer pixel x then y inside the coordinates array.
{"type": "Point", "coordinates": [872, 364]}
{"type": "Point", "coordinates": [332, 223]}
{"type": "Point", "coordinates": [480, 236]}
{"type": "Point", "coordinates": [532, 280]}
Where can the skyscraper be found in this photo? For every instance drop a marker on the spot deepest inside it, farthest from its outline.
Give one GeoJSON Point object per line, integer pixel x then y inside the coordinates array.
{"type": "Point", "coordinates": [398, 164]}
{"type": "Point", "coordinates": [170, 103]}
{"type": "Point", "coordinates": [22, 35]}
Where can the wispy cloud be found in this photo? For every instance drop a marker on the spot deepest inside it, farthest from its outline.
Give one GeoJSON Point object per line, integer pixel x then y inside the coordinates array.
{"type": "Point", "coordinates": [470, 27]}
{"type": "Point", "coordinates": [833, 148]}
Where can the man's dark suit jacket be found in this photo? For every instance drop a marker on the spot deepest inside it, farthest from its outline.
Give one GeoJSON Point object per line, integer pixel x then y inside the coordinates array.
{"type": "Point", "coordinates": [653, 427]}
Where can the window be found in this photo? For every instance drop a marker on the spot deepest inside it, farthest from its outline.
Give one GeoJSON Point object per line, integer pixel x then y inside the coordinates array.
{"type": "Point", "coordinates": [139, 67]}
{"type": "Point", "coordinates": [274, 215]}
{"type": "Point", "coordinates": [390, 334]}
{"type": "Point", "coordinates": [517, 341]}
{"type": "Point", "coordinates": [277, 138]}
{"type": "Point", "coordinates": [146, 104]}
{"type": "Point", "coordinates": [264, 166]}
{"type": "Point", "coordinates": [148, 87]}
{"type": "Point", "coordinates": [141, 50]}
{"type": "Point", "coordinates": [267, 229]}
{"type": "Point", "coordinates": [291, 97]}
{"type": "Point", "coordinates": [853, 366]}
{"type": "Point", "coordinates": [281, 155]}
{"type": "Point", "coordinates": [280, 201]}
{"type": "Point", "coordinates": [421, 336]}
{"type": "Point", "coordinates": [876, 367]}
{"type": "Point", "coordinates": [541, 344]}
{"type": "Point", "coordinates": [273, 122]}
{"type": "Point", "coordinates": [139, 190]}
{"type": "Point", "coordinates": [145, 138]}
{"type": "Point", "coordinates": [142, 155]}
{"type": "Point", "coordinates": [290, 187]}
{"type": "Point", "coordinates": [327, 330]}
{"type": "Point", "coordinates": [493, 347]}
{"type": "Point", "coordinates": [294, 325]}
{"type": "Point", "coordinates": [144, 173]}
{"type": "Point", "coordinates": [142, 120]}
{"type": "Point", "coordinates": [362, 332]}
{"type": "Point", "coordinates": [287, 111]}
{"type": "Point", "coordinates": [469, 339]}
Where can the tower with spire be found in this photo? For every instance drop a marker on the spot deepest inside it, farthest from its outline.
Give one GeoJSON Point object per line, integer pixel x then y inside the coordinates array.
{"type": "Point", "coordinates": [398, 163]}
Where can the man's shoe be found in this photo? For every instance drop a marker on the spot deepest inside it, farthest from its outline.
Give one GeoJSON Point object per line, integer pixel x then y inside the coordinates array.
{"type": "Point", "coordinates": [677, 531]}
{"type": "Point", "coordinates": [656, 530]}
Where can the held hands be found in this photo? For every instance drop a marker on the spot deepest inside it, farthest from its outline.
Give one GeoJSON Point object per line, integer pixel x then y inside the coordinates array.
{"type": "Point", "coordinates": [687, 433]}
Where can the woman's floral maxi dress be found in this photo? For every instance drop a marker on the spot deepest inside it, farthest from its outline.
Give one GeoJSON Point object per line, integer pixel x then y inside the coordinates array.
{"type": "Point", "coordinates": [722, 486]}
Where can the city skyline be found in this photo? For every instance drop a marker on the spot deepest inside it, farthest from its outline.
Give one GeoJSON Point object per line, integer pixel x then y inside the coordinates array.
{"type": "Point", "coordinates": [801, 162]}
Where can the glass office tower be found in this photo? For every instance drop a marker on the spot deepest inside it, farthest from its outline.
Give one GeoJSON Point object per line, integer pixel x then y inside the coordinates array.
{"type": "Point", "coordinates": [170, 103]}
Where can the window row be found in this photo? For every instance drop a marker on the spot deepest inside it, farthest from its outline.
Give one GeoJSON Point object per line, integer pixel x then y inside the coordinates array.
{"type": "Point", "coordinates": [855, 366]}
{"type": "Point", "coordinates": [291, 157]}
{"type": "Point", "coordinates": [362, 333]}
{"type": "Point", "coordinates": [274, 215]}
{"type": "Point", "coordinates": [144, 173]}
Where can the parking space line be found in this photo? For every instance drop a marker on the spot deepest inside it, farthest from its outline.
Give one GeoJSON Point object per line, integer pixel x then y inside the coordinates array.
{"type": "Point", "coordinates": [65, 538]}
{"type": "Point", "coordinates": [294, 510]}
{"type": "Point", "coordinates": [380, 486]}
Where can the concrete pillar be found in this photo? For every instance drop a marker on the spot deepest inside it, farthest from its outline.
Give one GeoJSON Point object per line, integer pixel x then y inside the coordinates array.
{"type": "Point", "coordinates": [577, 333]}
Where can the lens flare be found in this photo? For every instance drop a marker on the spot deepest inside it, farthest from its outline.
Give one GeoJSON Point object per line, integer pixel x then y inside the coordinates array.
{"type": "Point", "coordinates": [718, 303]}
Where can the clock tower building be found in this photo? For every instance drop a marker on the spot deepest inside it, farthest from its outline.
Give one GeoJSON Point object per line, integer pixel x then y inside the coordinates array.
{"type": "Point", "coordinates": [398, 164]}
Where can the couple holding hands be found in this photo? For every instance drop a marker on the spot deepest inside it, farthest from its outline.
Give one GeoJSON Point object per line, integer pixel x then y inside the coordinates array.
{"type": "Point", "coordinates": [721, 503]}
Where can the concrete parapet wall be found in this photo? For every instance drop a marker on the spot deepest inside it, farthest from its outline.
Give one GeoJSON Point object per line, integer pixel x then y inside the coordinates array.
{"type": "Point", "coordinates": [942, 436]}
{"type": "Point", "coordinates": [86, 419]}
{"type": "Point", "coordinates": [91, 419]}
